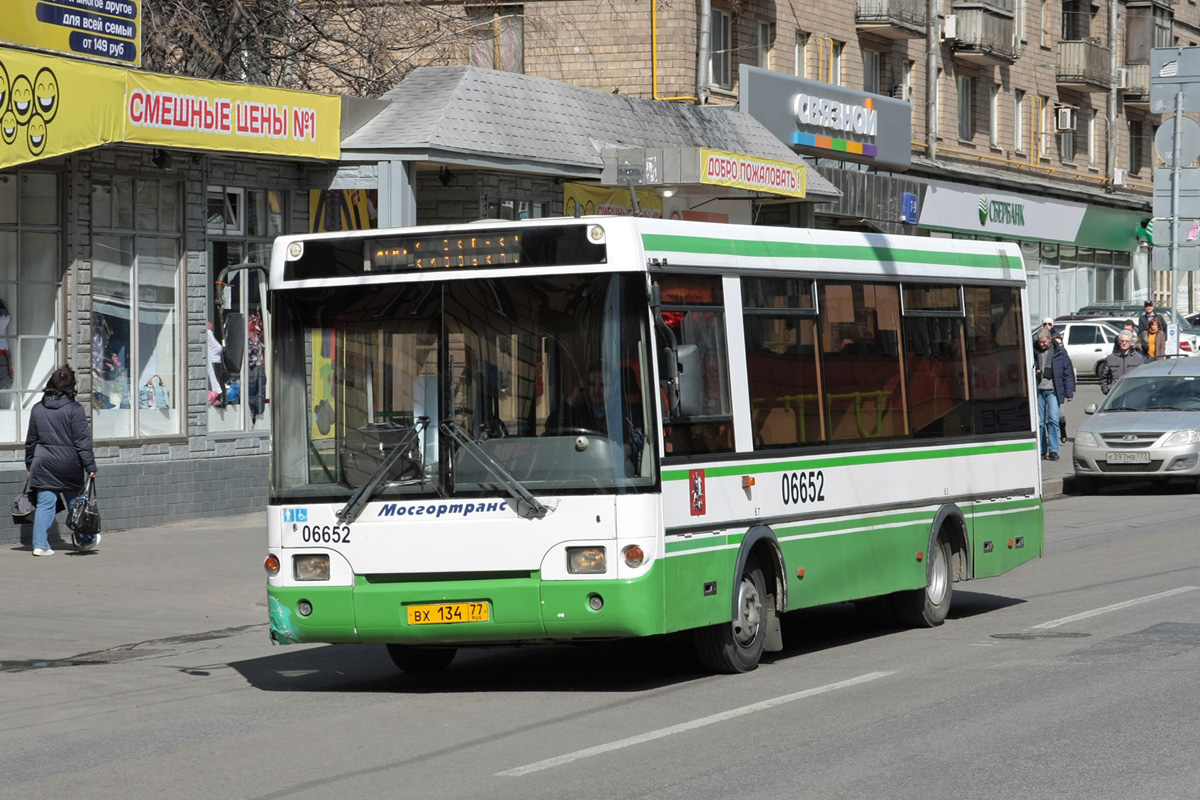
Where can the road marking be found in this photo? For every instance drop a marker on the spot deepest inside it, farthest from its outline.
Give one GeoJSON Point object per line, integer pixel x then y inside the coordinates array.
{"type": "Point", "coordinates": [1115, 607]}
{"type": "Point", "coordinates": [689, 726]}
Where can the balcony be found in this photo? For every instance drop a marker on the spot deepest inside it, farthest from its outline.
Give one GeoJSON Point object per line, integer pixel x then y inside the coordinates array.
{"type": "Point", "coordinates": [1084, 66]}
{"type": "Point", "coordinates": [893, 19]}
{"type": "Point", "coordinates": [982, 32]}
{"type": "Point", "coordinates": [1137, 89]}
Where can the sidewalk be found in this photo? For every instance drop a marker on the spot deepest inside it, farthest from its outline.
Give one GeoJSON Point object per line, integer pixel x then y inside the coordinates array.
{"type": "Point", "coordinates": [1058, 477]}
{"type": "Point", "coordinates": [140, 585]}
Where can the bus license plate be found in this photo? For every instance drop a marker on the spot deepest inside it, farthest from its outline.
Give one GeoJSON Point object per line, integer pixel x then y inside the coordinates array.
{"type": "Point", "coordinates": [1128, 458]}
{"type": "Point", "coordinates": [446, 613]}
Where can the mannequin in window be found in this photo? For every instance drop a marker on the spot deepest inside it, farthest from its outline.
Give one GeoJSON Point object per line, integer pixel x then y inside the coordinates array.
{"type": "Point", "coordinates": [216, 370]}
{"type": "Point", "coordinates": [256, 377]}
{"type": "Point", "coordinates": [6, 367]}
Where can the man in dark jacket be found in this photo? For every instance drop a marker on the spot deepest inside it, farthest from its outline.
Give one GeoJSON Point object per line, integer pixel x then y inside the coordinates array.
{"type": "Point", "coordinates": [1144, 320]}
{"type": "Point", "coordinates": [1121, 362]}
{"type": "Point", "coordinates": [1055, 383]}
{"type": "Point", "coordinates": [58, 453]}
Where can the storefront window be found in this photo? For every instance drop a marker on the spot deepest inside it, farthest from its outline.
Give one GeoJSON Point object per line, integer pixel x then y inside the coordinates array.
{"type": "Point", "coordinates": [137, 369]}
{"type": "Point", "coordinates": [30, 259]}
{"type": "Point", "coordinates": [243, 223]}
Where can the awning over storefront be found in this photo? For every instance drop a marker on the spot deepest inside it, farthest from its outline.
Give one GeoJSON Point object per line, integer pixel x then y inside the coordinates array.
{"type": "Point", "coordinates": [52, 106]}
{"type": "Point", "coordinates": [520, 123]}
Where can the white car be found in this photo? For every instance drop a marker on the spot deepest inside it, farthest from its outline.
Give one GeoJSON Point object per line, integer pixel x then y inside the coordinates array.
{"type": "Point", "coordinates": [1088, 343]}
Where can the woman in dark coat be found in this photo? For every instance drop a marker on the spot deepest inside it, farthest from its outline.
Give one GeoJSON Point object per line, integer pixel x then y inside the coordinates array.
{"type": "Point", "coordinates": [58, 451]}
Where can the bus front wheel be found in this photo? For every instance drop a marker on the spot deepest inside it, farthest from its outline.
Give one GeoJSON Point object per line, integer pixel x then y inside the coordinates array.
{"type": "Point", "coordinates": [421, 660]}
{"type": "Point", "coordinates": [928, 607]}
{"type": "Point", "coordinates": [737, 646]}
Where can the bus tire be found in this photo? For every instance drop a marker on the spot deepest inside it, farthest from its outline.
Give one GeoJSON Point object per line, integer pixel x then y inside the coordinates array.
{"type": "Point", "coordinates": [737, 646]}
{"type": "Point", "coordinates": [928, 607]}
{"type": "Point", "coordinates": [421, 660]}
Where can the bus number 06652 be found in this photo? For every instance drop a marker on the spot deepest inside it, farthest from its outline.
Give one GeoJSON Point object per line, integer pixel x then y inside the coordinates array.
{"type": "Point", "coordinates": [325, 534]}
{"type": "Point", "coordinates": [803, 487]}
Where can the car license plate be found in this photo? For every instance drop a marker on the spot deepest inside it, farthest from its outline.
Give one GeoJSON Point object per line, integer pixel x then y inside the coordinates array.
{"type": "Point", "coordinates": [1128, 458]}
{"type": "Point", "coordinates": [447, 613]}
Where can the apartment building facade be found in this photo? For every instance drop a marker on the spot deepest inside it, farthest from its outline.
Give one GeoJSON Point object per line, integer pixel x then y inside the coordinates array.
{"type": "Point", "coordinates": [1040, 107]}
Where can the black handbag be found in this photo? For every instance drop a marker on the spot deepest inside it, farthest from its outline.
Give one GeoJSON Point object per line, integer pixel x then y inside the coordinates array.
{"type": "Point", "coordinates": [24, 508]}
{"type": "Point", "coordinates": [84, 516]}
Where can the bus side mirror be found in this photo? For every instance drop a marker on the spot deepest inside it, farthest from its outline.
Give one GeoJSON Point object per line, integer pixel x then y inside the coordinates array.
{"type": "Point", "coordinates": [682, 385]}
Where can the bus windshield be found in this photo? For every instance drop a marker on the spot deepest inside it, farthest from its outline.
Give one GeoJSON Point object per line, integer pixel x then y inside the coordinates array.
{"type": "Point", "coordinates": [463, 387]}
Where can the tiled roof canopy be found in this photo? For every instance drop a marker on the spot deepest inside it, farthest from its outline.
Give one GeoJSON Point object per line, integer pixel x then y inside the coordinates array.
{"type": "Point", "coordinates": [508, 116]}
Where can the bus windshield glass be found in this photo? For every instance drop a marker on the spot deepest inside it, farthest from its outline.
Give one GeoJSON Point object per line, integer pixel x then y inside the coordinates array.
{"type": "Point", "coordinates": [545, 376]}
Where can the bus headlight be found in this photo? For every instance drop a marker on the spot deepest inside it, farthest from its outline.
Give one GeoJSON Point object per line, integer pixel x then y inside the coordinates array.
{"type": "Point", "coordinates": [586, 560]}
{"type": "Point", "coordinates": [311, 567]}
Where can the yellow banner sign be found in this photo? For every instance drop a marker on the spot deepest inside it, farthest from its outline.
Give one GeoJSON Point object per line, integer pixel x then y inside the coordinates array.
{"type": "Point", "coordinates": [214, 115]}
{"type": "Point", "coordinates": [108, 30]}
{"type": "Point", "coordinates": [720, 168]}
{"type": "Point", "coordinates": [592, 200]}
{"type": "Point", "coordinates": [51, 106]}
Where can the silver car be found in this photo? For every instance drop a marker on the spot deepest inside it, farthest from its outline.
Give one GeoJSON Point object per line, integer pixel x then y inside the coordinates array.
{"type": "Point", "coordinates": [1147, 428]}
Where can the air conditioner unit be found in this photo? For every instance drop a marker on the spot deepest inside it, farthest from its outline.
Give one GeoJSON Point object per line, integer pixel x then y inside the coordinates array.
{"type": "Point", "coordinates": [1121, 78]}
{"type": "Point", "coordinates": [950, 27]}
{"type": "Point", "coordinates": [903, 92]}
{"type": "Point", "coordinates": [1118, 176]}
{"type": "Point", "coordinates": [1064, 119]}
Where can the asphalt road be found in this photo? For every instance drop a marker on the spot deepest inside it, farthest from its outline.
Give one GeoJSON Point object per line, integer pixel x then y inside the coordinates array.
{"type": "Point", "coordinates": [145, 671]}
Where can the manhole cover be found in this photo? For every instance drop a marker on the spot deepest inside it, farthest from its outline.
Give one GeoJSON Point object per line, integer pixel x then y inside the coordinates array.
{"type": "Point", "coordinates": [1041, 635]}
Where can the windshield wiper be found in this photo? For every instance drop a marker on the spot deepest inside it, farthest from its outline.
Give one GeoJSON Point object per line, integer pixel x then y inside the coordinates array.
{"type": "Point", "coordinates": [528, 506]}
{"type": "Point", "coordinates": [364, 493]}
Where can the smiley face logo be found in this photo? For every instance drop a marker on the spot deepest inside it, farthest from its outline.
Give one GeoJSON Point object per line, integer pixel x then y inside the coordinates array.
{"type": "Point", "coordinates": [4, 87]}
{"type": "Point", "coordinates": [8, 126]}
{"type": "Point", "coordinates": [45, 93]}
{"type": "Point", "coordinates": [37, 134]}
{"type": "Point", "coordinates": [22, 99]}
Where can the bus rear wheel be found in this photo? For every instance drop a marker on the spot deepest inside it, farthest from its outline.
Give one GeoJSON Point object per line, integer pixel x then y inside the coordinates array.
{"type": "Point", "coordinates": [421, 660]}
{"type": "Point", "coordinates": [737, 646]}
{"type": "Point", "coordinates": [928, 607]}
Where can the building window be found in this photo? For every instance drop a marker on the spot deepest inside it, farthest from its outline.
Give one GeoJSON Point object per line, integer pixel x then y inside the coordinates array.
{"type": "Point", "coordinates": [1066, 146]}
{"type": "Point", "coordinates": [871, 71]}
{"type": "Point", "coordinates": [1135, 146]}
{"type": "Point", "coordinates": [237, 384]}
{"type": "Point", "coordinates": [764, 45]}
{"type": "Point", "coordinates": [30, 268]}
{"type": "Point", "coordinates": [1076, 20]}
{"type": "Point", "coordinates": [1044, 25]}
{"type": "Point", "coordinates": [497, 37]}
{"type": "Point", "coordinates": [994, 115]}
{"type": "Point", "coordinates": [1091, 136]}
{"type": "Point", "coordinates": [720, 69]}
{"type": "Point", "coordinates": [801, 67]}
{"type": "Point", "coordinates": [1019, 20]}
{"type": "Point", "coordinates": [1019, 121]}
{"type": "Point", "coordinates": [965, 102]}
{"type": "Point", "coordinates": [139, 374]}
{"type": "Point", "coordinates": [1042, 144]}
{"type": "Point", "coordinates": [835, 73]}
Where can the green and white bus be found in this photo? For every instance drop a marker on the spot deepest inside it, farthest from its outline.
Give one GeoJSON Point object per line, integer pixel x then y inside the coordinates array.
{"type": "Point", "coordinates": [588, 429]}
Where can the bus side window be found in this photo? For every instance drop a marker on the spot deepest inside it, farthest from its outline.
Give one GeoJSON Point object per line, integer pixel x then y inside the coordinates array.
{"type": "Point", "coordinates": [692, 309]}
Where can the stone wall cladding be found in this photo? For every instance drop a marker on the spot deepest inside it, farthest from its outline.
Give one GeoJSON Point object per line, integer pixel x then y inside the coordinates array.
{"type": "Point", "coordinates": [138, 495]}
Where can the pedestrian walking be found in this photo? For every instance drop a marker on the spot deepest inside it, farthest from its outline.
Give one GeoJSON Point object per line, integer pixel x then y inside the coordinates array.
{"type": "Point", "coordinates": [1056, 336]}
{"type": "Point", "coordinates": [1149, 314]}
{"type": "Point", "coordinates": [1154, 339]}
{"type": "Point", "coordinates": [1055, 382]}
{"type": "Point", "coordinates": [58, 454]}
{"type": "Point", "coordinates": [1118, 364]}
